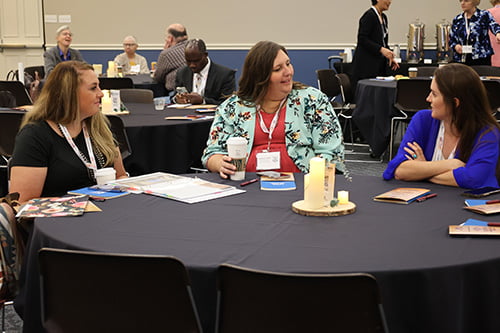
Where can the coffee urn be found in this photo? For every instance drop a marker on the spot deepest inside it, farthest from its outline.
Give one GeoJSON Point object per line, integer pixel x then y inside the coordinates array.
{"type": "Point", "coordinates": [416, 36]}
{"type": "Point", "coordinates": [443, 52]}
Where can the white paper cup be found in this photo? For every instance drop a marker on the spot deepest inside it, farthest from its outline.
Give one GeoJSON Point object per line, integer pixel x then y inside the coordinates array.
{"type": "Point", "coordinates": [237, 150]}
{"type": "Point", "coordinates": [105, 175]}
{"type": "Point", "coordinates": [159, 103]}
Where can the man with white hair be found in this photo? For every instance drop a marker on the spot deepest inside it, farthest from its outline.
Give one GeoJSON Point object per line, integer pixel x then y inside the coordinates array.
{"type": "Point", "coordinates": [131, 62]}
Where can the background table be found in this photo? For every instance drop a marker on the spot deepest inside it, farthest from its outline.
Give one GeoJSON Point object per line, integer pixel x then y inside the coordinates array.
{"type": "Point", "coordinates": [430, 282]}
{"type": "Point", "coordinates": [374, 109]}
{"type": "Point", "coordinates": [145, 81]}
{"type": "Point", "coordinates": [163, 145]}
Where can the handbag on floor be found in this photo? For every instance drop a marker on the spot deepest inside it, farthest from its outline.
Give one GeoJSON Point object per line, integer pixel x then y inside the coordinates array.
{"type": "Point", "coordinates": [11, 248]}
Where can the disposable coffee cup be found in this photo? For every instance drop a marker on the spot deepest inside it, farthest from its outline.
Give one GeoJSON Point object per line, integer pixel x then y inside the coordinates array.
{"type": "Point", "coordinates": [105, 175]}
{"type": "Point", "coordinates": [412, 71]}
{"type": "Point", "coordinates": [159, 103]}
{"type": "Point", "coordinates": [237, 150]}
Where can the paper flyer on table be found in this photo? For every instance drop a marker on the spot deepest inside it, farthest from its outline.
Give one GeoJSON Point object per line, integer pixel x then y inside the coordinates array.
{"type": "Point", "coordinates": [181, 188]}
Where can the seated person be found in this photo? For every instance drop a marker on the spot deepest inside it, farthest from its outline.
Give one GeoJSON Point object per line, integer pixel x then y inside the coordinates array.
{"type": "Point", "coordinates": [275, 114]}
{"type": "Point", "coordinates": [131, 62]}
{"type": "Point", "coordinates": [65, 137]}
{"type": "Point", "coordinates": [172, 56]}
{"type": "Point", "coordinates": [205, 81]}
{"type": "Point", "coordinates": [457, 142]}
{"type": "Point", "coordinates": [62, 51]}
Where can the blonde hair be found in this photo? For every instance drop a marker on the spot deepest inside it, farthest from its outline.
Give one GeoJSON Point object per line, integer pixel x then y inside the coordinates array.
{"type": "Point", "coordinates": [58, 102]}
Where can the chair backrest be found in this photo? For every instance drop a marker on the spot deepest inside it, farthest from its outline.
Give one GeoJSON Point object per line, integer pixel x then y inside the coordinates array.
{"type": "Point", "coordinates": [426, 71]}
{"type": "Point", "coordinates": [128, 95]}
{"type": "Point", "coordinates": [115, 82]}
{"type": "Point", "coordinates": [120, 134]}
{"type": "Point", "coordinates": [32, 69]}
{"type": "Point", "coordinates": [411, 94]}
{"type": "Point", "coordinates": [260, 301]}
{"type": "Point", "coordinates": [10, 121]}
{"type": "Point", "coordinates": [101, 292]}
{"type": "Point", "coordinates": [18, 90]}
{"type": "Point", "coordinates": [484, 70]}
{"type": "Point", "coordinates": [327, 82]}
{"type": "Point", "coordinates": [493, 90]}
{"type": "Point", "coordinates": [346, 87]}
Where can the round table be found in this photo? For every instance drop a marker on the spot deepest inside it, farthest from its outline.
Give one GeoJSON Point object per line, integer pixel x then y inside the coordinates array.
{"type": "Point", "coordinates": [430, 281]}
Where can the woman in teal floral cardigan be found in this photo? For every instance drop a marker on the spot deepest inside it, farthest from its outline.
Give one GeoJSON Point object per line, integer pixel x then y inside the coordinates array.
{"type": "Point", "coordinates": [275, 114]}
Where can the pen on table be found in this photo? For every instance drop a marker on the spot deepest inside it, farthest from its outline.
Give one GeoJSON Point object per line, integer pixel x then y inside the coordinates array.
{"type": "Point", "coordinates": [249, 182]}
{"type": "Point", "coordinates": [493, 224]}
{"type": "Point", "coordinates": [425, 197]}
{"type": "Point", "coordinates": [492, 202]}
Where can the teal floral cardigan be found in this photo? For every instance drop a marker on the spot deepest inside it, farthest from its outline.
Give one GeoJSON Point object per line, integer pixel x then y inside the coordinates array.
{"type": "Point", "coordinates": [311, 128]}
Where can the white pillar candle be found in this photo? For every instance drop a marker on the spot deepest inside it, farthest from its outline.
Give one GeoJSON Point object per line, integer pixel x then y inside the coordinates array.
{"type": "Point", "coordinates": [316, 187]}
{"type": "Point", "coordinates": [343, 197]}
{"type": "Point", "coordinates": [106, 103]}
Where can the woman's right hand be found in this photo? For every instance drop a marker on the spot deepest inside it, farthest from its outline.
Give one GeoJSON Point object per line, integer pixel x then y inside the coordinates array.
{"type": "Point", "coordinates": [221, 164]}
{"type": "Point", "coordinates": [458, 48]}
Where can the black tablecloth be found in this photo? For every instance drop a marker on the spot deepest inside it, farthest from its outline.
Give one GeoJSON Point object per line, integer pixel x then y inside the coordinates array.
{"type": "Point", "coordinates": [374, 109]}
{"type": "Point", "coordinates": [145, 81]}
{"type": "Point", "coordinates": [430, 282]}
{"type": "Point", "coordinates": [163, 145]}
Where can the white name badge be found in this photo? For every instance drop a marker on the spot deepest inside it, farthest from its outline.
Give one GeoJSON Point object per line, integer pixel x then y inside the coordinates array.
{"type": "Point", "coordinates": [268, 160]}
{"type": "Point", "coordinates": [466, 49]}
{"type": "Point", "coordinates": [135, 69]}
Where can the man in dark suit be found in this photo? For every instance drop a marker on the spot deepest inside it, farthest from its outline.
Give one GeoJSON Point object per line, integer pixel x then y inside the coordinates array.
{"type": "Point", "coordinates": [373, 57]}
{"type": "Point", "coordinates": [205, 81]}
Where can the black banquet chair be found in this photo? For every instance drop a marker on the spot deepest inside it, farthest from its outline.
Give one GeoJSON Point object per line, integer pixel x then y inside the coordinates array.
{"type": "Point", "coordinates": [10, 121]}
{"type": "Point", "coordinates": [115, 82]}
{"type": "Point", "coordinates": [102, 292]}
{"type": "Point", "coordinates": [18, 90]}
{"type": "Point", "coordinates": [120, 134]}
{"type": "Point", "coordinates": [411, 96]}
{"type": "Point", "coordinates": [260, 301]}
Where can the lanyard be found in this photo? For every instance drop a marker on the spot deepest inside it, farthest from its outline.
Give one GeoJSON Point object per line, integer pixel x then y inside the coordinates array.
{"type": "Point", "coordinates": [274, 122]}
{"type": "Point", "coordinates": [92, 165]}
{"type": "Point", "coordinates": [467, 28]}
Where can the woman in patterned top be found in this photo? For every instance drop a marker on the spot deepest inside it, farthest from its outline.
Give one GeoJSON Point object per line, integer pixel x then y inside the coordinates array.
{"type": "Point", "coordinates": [285, 123]}
{"type": "Point", "coordinates": [469, 34]}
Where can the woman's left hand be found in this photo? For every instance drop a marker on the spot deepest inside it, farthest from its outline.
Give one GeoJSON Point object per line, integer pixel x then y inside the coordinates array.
{"type": "Point", "coordinates": [498, 37]}
{"type": "Point", "coordinates": [414, 152]}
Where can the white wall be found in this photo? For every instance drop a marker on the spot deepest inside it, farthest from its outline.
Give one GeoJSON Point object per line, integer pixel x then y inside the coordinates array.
{"type": "Point", "coordinates": [316, 24]}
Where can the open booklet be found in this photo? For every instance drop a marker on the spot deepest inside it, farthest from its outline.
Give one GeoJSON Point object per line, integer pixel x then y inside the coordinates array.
{"type": "Point", "coordinates": [180, 188]}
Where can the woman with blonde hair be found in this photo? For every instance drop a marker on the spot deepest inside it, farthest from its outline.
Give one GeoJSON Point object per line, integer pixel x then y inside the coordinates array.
{"type": "Point", "coordinates": [65, 138]}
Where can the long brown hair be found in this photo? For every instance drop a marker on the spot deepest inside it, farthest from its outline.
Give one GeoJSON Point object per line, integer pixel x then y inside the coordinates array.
{"type": "Point", "coordinates": [257, 70]}
{"type": "Point", "coordinates": [473, 112]}
{"type": "Point", "coordinates": [58, 102]}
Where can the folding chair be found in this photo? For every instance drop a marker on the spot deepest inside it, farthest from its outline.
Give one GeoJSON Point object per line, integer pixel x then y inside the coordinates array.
{"type": "Point", "coordinates": [10, 121]}
{"type": "Point", "coordinates": [484, 70]}
{"type": "Point", "coordinates": [120, 134]}
{"type": "Point", "coordinates": [18, 90]}
{"type": "Point", "coordinates": [103, 292]}
{"type": "Point", "coordinates": [128, 95]}
{"type": "Point", "coordinates": [411, 96]}
{"type": "Point", "coordinates": [260, 301]}
{"type": "Point", "coordinates": [493, 91]}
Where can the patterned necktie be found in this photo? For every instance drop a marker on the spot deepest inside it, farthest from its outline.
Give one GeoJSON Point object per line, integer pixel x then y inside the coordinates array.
{"type": "Point", "coordinates": [198, 83]}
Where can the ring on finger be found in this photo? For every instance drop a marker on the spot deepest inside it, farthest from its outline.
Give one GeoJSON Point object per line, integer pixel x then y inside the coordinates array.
{"type": "Point", "coordinates": [414, 156]}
